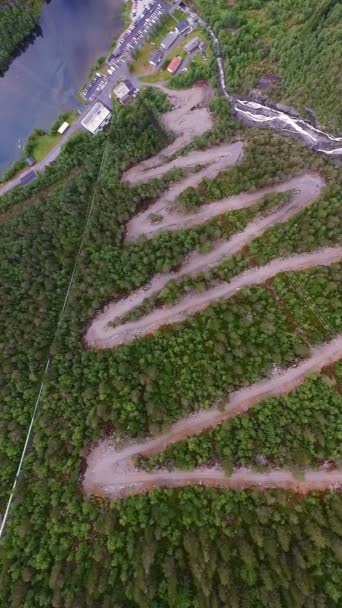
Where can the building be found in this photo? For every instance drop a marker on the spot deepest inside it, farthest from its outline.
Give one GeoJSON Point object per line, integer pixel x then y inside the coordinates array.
{"type": "Point", "coordinates": [192, 45]}
{"type": "Point", "coordinates": [28, 178]}
{"type": "Point", "coordinates": [183, 27]}
{"type": "Point", "coordinates": [156, 57]}
{"type": "Point", "coordinates": [30, 161]}
{"type": "Point", "coordinates": [97, 118]}
{"type": "Point", "coordinates": [174, 65]}
{"type": "Point", "coordinates": [64, 127]}
{"type": "Point", "coordinates": [169, 40]}
{"type": "Point", "coordinates": [125, 91]}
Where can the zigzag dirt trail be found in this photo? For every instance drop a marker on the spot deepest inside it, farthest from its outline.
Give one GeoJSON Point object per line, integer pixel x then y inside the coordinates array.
{"type": "Point", "coordinates": [111, 472]}
{"type": "Point", "coordinates": [305, 188]}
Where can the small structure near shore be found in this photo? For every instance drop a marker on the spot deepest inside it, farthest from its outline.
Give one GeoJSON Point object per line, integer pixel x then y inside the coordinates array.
{"type": "Point", "coordinates": [97, 118]}
{"type": "Point", "coordinates": [28, 178]}
{"type": "Point", "coordinates": [64, 127]}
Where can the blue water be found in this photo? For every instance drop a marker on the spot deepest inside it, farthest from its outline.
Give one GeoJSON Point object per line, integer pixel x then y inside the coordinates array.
{"type": "Point", "coordinates": [42, 82]}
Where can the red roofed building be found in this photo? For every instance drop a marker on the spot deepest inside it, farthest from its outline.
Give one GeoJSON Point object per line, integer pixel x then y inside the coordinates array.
{"type": "Point", "coordinates": [174, 65]}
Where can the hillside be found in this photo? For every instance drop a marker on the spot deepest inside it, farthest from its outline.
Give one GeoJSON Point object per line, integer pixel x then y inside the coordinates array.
{"type": "Point", "coordinates": [166, 326]}
{"type": "Point", "coordinates": [289, 51]}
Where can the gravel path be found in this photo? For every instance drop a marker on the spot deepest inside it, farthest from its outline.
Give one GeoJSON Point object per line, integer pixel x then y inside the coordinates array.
{"type": "Point", "coordinates": [112, 472]}
{"type": "Point", "coordinates": [305, 189]}
{"type": "Point", "coordinates": [100, 335]}
{"type": "Point", "coordinates": [225, 152]}
{"type": "Point", "coordinates": [216, 159]}
{"type": "Point", "coordinates": [189, 118]}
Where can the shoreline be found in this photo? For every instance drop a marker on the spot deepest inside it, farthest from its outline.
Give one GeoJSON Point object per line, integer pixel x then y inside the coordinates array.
{"type": "Point", "coordinates": [58, 84]}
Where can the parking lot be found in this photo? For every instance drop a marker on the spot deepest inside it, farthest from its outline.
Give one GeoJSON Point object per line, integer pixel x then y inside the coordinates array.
{"type": "Point", "coordinates": [95, 86]}
{"type": "Point", "coordinates": [138, 32]}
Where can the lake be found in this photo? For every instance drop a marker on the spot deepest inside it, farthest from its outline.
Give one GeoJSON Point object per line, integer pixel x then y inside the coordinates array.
{"type": "Point", "coordinates": [42, 82]}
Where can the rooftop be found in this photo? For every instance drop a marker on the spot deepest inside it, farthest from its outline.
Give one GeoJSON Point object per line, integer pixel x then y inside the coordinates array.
{"type": "Point", "coordinates": [97, 116]}
{"type": "Point", "coordinates": [183, 26]}
{"type": "Point", "coordinates": [29, 177]}
{"type": "Point", "coordinates": [174, 64]}
{"type": "Point", "coordinates": [123, 89]}
{"type": "Point", "coordinates": [64, 126]}
{"type": "Point", "coordinates": [156, 57]}
{"type": "Point", "coordinates": [169, 40]}
{"type": "Point", "coordinates": [192, 44]}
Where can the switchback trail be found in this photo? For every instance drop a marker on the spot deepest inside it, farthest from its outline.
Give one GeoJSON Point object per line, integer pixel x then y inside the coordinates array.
{"type": "Point", "coordinates": [100, 335]}
{"type": "Point", "coordinates": [224, 155]}
{"type": "Point", "coordinates": [111, 472]}
{"type": "Point", "coordinates": [189, 118]}
{"type": "Point", "coordinates": [305, 190]}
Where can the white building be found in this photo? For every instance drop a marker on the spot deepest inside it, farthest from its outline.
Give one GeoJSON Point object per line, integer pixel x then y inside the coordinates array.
{"type": "Point", "coordinates": [97, 118]}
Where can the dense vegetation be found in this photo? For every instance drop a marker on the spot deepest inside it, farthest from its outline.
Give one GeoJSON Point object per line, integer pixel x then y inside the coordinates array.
{"type": "Point", "coordinates": [291, 50]}
{"type": "Point", "coordinates": [176, 549]}
{"type": "Point", "coordinates": [39, 240]}
{"type": "Point", "coordinates": [17, 20]}
{"type": "Point", "coordinates": [194, 548]}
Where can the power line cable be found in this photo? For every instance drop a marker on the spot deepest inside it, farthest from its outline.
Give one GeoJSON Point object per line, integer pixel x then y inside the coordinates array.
{"type": "Point", "coordinates": [48, 362]}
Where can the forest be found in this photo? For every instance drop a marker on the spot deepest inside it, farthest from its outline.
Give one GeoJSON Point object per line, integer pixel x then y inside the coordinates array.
{"type": "Point", "coordinates": [18, 19]}
{"type": "Point", "coordinates": [288, 51]}
{"type": "Point", "coordinates": [190, 548]}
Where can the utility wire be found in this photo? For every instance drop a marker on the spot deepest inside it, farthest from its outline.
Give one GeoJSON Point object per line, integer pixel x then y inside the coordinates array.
{"type": "Point", "coordinates": [48, 362]}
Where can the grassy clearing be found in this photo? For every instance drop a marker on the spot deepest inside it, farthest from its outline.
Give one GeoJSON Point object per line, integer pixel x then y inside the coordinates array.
{"type": "Point", "coordinates": [43, 145]}
{"type": "Point", "coordinates": [127, 11]}
{"type": "Point", "coordinates": [159, 76]}
{"type": "Point", "coordinates": [141, 63]}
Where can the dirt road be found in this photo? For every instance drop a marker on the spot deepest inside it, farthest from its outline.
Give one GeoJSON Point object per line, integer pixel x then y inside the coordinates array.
{"type": "Point", "coordinates": [112, 472]}
{"type": "Point", "coordinates": [100, 335]}
{"type": "Point", "coordinates": [306, 190]}
{"type": "Point", "coordinates": [216, 159]}
{"type": "Point", "coordinates": [226, 152]}
{"type": "Point", "coordinates": [189, 118]}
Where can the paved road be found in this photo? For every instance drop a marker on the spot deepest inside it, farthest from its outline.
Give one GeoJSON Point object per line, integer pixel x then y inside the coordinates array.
{"type": "Point", "coordinates": [49, 158]}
